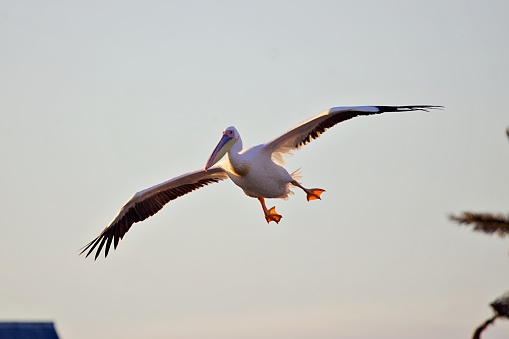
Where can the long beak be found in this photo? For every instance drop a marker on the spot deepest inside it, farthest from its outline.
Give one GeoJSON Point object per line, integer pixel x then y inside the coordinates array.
{"type": "Point", "coordinates": [222, 147]}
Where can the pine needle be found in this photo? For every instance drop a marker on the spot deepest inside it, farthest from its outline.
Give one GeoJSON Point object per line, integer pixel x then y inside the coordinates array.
{"type": "Point", "coordinates": [501, 305]}
{"type": "Point", "coordinates": [484, 222]}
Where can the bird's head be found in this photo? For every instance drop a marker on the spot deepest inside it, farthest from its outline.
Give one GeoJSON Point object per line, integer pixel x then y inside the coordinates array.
{"type": "Point", "coordinates": [229, 138]}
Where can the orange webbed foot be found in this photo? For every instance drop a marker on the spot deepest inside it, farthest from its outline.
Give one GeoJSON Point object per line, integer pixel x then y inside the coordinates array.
{"type": "Point", "coordinates": [314, 193]}
{"type": "Point", "coordinates": [271, 215]}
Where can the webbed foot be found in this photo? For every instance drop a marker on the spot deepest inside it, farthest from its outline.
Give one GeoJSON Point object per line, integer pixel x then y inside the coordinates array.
{"type": "Point", "coordinates": [270, 214]}
{"type": "Point", "coordinates": [312, 193]}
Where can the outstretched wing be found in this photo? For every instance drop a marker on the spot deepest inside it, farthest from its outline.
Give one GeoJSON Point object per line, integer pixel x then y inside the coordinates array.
{"type": "Point", "coordinates": [148, 202]}
{"type": "Point", "coordinates": [311, 129]}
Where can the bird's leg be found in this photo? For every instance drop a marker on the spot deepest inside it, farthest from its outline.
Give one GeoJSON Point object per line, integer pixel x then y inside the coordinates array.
{"type": "Point", "coordinates": [312, 193]}
{"type": "Point", "coordinates": [270, 214]}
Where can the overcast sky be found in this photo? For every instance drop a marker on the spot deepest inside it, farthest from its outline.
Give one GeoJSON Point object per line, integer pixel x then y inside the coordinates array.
{"type": "Point", "coordinates": [100, 99]}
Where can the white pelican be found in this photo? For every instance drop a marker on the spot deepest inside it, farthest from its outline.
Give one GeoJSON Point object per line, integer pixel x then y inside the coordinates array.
{"type": "Point", "coordinates": [257, 170]}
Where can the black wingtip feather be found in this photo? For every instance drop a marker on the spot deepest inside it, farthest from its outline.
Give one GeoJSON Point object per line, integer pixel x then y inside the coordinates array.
{"type": "Point", "coordinates": [335, 119]}
{"type": "Point", "coordinates": [94, 245]}
{"type": "Point", "coordinates": [425, 108]}
{"type": "Point", "coordinates": [100, 247]}
{"type": "Point", "coordinates": [108, 244]}
{"type": "Point", "coordinates": [139, 212]}
{"type": "Point", "coordinates": [116, 237]}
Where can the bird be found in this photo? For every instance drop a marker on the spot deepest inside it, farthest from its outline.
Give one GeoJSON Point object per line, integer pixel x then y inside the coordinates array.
{"type": "Point", "coordinates": [258, 171]}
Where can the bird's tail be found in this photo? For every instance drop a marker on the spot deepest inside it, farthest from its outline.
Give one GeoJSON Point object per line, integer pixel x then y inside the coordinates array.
{"type": "Point", "coordinates": [297, 174]}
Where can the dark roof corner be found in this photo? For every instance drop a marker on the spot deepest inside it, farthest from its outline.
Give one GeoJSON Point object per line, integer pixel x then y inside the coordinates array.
{"type": "Point", "coordinates": [27, 330]}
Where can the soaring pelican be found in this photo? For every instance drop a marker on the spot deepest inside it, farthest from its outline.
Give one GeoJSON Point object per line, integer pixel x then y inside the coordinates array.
{"type": "Point", "coordinates": [257, 170]}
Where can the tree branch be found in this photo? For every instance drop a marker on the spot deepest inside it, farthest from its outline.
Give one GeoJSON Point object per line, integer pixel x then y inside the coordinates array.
{"type": "Point", "coordinates": [484, 222]}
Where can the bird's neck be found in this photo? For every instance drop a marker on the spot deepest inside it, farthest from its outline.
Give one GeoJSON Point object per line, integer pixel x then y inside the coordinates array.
{"type": "Point", "coordinates": [237, 161]}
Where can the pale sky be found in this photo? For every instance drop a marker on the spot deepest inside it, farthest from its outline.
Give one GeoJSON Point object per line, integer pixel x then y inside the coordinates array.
{"type": "Point", "coordinates": [100, 99]}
